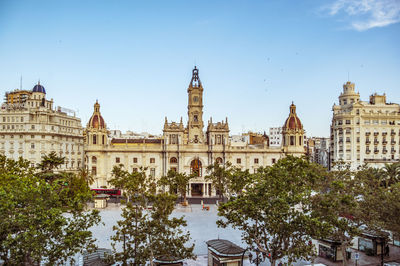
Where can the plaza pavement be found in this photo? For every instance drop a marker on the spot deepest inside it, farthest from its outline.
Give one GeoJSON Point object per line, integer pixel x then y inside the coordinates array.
{"type": "Point", "coordinates": [202, 227]}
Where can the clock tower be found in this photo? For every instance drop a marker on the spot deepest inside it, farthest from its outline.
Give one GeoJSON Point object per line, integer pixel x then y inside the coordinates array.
{"type": "Point", "coordinates": [195, 109]}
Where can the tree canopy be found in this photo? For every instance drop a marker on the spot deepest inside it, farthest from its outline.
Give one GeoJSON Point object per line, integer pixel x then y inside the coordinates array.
{"type": "Point", "coordinates": [274, 210]}
{"type": "Point", "coordinates": [40, 221]}
{"type": "Point", "coordinates": [147, 231]}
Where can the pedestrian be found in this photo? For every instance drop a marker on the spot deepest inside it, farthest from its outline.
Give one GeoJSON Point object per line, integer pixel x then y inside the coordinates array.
{"type": "Point", "coordinates": [387, 250]}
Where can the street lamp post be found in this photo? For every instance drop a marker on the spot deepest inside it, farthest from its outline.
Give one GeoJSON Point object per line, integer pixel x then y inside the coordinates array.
{"type": "Point", "coordinates": [260, 257]}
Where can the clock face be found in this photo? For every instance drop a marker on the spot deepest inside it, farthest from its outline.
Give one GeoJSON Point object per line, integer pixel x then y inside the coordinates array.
{"type": "Point", "coordinates": [195, 99]}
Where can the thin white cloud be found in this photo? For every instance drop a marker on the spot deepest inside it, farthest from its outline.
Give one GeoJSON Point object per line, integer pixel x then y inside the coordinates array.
{"type": "Point", "coordinates": [367, 14]}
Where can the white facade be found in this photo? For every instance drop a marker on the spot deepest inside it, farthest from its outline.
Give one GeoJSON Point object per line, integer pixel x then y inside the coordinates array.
{"type": "Point", "coordinates": [31, 128]}
{"type": "Point", "coordinates": [183, 148]}
{"type": "Point", "coordinates": [318, 150]}
{"type": "Point", "coordinates": [365, 132]}
{"type": "Point", "coordinates": [275, 136]}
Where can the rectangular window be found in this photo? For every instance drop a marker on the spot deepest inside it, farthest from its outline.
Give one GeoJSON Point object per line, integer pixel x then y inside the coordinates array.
{"type": "Point", "coordinates": [152, 172]}
{"type": "Point", "coordinates": [135, 160]}
{"type": "Point", "coordinates": [94, 170]}
{"type": "Point", "coordinates": [347, 122]}
{"type": "Point", "coordinates": [256, 160]}
{"type": "Point", "coordinates": [32, 145]}
{"type": "Point", "coordinates": [152, 160]}
{"type": "Point", "coordinates": [135, 169]}
{"type": "Point", "coordinates": [117, 160]}
{"type": "Point", "coordinates": [273, 160]}
{"type": "Point", "coordinates": [238, 161]}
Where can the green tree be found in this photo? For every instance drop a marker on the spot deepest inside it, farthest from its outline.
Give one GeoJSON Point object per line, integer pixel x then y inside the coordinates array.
{"type": "Point", "coordinates": [390, 210]}
{"type": "Point", "coordinates": [378, 198]}
{"type": "Point", "coordinates": [51, 162]}
{"type": "Point", "coordinates": [147, 231]}
{"type": "Point", "coordinates": [220, 175]}
{"type": "Point", "coordinates": [38, 225]}
{"type": "Point", "coordinates": [274, 211]}
{"type": "Point", "coordinates": [86, 175]}
{"type": "Point", "coordinates": [177, 182]}
{"type": "Point", "coordinates": [337, 206]}
{"type": "Point", "coordinates": [238, 179]}
{"type": "Point", "coordinates": [49, 165]}
{"type": "Point", "coordinates": [390, 174]}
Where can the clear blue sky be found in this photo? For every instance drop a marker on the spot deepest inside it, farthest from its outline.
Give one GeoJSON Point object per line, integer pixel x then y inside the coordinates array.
{"type": "Point", "coordinates": [254, 57]}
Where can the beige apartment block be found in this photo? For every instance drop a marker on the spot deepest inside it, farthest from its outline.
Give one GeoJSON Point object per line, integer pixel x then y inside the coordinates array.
{"type": "Point", "coordinates": [364, 131]}
{"type": "Point", "coordinates": [186, 148]}
{"type": "Point", "coordinates": [30, 127]}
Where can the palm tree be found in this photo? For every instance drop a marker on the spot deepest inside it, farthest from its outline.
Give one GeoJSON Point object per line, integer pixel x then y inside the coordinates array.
{"type": "Point", "coordinates": [85, 174]}
{"type": "Point", "coordinates": [391, 174]}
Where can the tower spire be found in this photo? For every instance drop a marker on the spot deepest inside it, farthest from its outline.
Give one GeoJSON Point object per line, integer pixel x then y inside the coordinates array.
{"type": "Point", "coordinates": [195, 82]}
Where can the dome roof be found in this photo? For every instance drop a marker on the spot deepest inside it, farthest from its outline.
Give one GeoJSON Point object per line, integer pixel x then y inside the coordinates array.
{"type": "Point", "coordinates": [96, 121]}
{"type": "Point", "coordinates": [293, 121]}
{"type": "Point", "coordinates": [38, 88]}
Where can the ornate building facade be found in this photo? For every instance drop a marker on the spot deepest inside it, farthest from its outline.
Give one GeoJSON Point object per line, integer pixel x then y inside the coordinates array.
{"type": "Point", "coordinates": [364, 131]}
{"type": "Point", "coordinates": [30, 127]}
{"type": "Point", "coordinates": [186, 148]}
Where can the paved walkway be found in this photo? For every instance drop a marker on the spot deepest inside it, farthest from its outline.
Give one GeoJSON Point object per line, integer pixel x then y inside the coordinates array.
{"type": "Point", "coordinates": [366, 260]}
{"type": "Point", "coordinates": [202, 227]}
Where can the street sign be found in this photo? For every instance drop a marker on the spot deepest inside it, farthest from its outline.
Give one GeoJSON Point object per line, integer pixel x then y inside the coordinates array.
{"type": "Point", "coordinates": [356, 256]}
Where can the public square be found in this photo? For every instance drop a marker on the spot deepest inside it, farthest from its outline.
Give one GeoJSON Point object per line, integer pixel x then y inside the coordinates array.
{"type": "Point", "coordinates": [202, 227]}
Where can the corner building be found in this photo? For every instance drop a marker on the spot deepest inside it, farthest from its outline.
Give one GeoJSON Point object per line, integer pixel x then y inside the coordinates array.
{"type": "Point", "coordinates": [364, 131]}
{"type": "Point", "coordinates": [31, 127]}
{"type": "Point", "coordinates": [186, 148]}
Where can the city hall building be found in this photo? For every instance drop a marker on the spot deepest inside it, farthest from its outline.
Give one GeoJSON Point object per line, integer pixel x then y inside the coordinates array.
{"type": "Point", "coordinates": [186, 148]}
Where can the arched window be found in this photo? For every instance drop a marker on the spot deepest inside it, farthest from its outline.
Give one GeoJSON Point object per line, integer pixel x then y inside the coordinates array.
{"type": "Point", "coordinates": [292, 140]}
{"type": "Point", "coordinates": [94, 159]}
{"type": "Point", "coordinates": [102, 138]}
{"type": "Point", "coordinates": [94, 139]}
{"type": "Point", "coordinates": [173, 160]}
{"type": "Point", "coordinates": [219, 160]}
{"type": "Point", "coordinates": [196, 167]}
